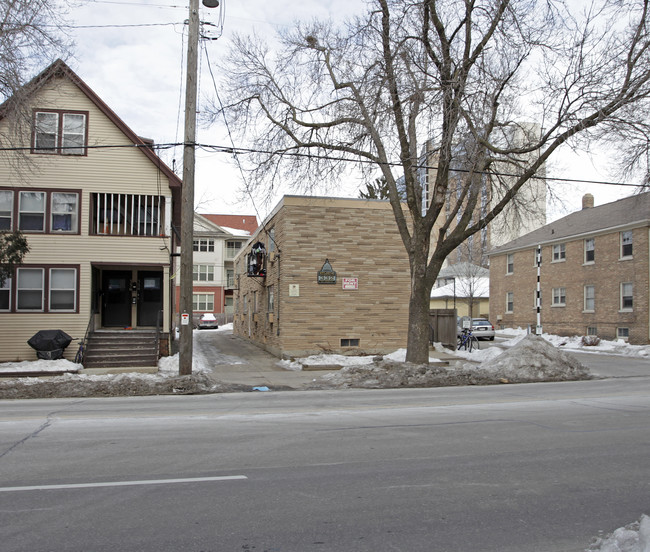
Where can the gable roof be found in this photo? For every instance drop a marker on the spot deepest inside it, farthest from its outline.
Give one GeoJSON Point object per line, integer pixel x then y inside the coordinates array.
{"type": "Point", "coordinates": [60, 69]}
{"type": "Point", "coordinates": [630, 211]}
{"type": "Point", "coordinates": [236, 222]}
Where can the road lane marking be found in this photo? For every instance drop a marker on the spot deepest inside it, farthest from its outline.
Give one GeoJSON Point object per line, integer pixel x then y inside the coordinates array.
{"type": "Point", "coordinates": [121, 483]}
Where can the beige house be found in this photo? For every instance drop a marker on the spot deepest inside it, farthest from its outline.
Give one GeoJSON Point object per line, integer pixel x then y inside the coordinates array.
{"type": "Point", "coordinates": [324, 275]}
{"type": "Point", "coordinates": [464, 287]}
{"type": "Point", "coordinates": [594, 273]}
{"type": "Point", "coordinates": [96, 205]}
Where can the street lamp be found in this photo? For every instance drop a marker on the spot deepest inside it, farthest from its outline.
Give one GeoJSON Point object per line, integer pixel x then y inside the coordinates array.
{"type": "Point", "coordinates": [187, 195]}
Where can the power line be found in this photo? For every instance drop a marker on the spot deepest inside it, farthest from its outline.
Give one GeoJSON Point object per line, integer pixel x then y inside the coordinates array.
{"type": "Point", "coordinates": [231, 150]}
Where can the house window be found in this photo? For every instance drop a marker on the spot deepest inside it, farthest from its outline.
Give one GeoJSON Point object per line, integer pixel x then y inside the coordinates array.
{"type": "Point", "coordinates": [63, 289]}
{"type": "Point", "coordinates": [590, 298]}
{"type": "Point", "coordinates": [29, 289]}
{"type": "Point", "coordinates": [627, 296]}
{"type": "Point", "coordinates": [271, 240]}
{"type": "Point", "coordinates": [559, 252]}
{"type": "Point", "coordinates": [203, 302]}
{"type": "Point", "coordinates": [230, 278]}
{"type": "Point", "coordinates": [590, 250]}
{"type": "Point", "coordinates": [203, 273]}
{"type": "Point", "coordinates": [232, 248]}
{"type": "Point", "coordinates": [626, 244]}
{"type": "Point", "coordinates": [623, 333]}
{"type": "Point", "coordinates": [128, 214]}
{"type": "Point", "coordinates": [270, 298]}
{"type": "Point", "coordinates": [204, 245]}
{"type": "Point", "coordinates": [350, 342]}
{"type": "Point", "coordinates": [559, 297]}
{"type": "Point", "coordinates": [6, 209]}
{"type": "Point", "coordinates": [510, 263]}
{"type": "Point", "coordinates": [65, 209]}
{"type": "Point", "coordinates": [5, 295]}
{"type": "Point", "coordinates": [592, 330]}
{"type": "Point", "coordinates": [60, 133]}
{"type": "Point", "coordinates": [510, 301]}
{"type": "Point", "coordinates": [254, 302]}
{"type": "Point", "coordinates": [31, 211]}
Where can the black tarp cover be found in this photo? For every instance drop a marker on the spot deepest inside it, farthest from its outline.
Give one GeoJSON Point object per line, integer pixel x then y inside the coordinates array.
{"type": "Point", "coordinates": [49, 340]}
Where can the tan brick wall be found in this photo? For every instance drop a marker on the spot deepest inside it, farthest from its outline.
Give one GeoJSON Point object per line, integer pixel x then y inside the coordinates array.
{"type": "Point", "coordinates": [360, 240]}
{"type": "Point", "coordinates": [606, 275]}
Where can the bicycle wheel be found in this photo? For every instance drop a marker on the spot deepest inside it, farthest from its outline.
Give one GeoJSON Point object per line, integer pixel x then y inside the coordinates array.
{"type": "Point", "coordinates": [473, 343]}
{"type": "Point", "coordinates": [459, 344]}
{"type": "Point", "coordinates": [78, 358]}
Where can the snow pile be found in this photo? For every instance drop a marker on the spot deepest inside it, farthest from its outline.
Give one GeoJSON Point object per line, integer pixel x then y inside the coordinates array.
{"type": "Point", "coordinates": [634, 537]}
{"type": "Point", "coordinates": [59, 365]}
{"type": "Point", "coordinates": [533, 358]}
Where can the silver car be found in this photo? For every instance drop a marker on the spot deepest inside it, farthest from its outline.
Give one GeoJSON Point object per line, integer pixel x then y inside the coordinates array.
{"type": "Point", "coordinates": [482, 328]}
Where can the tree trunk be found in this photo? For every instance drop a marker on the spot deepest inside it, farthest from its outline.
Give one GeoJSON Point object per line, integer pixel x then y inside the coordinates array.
{"type": "Point", "coordinates": [418, 330]}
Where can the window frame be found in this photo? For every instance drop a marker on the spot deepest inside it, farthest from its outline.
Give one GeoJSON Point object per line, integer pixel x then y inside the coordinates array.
{"type": "Point", "coordinates": [46, 289]}
{"type": "Point", "coordinates": [232, 250]}
{"type": "Point", "coordinates": [623, 297]}
{"type": "Point", "coordinates": [74, 215]}
{"type": "Point", "coordinates": [23, 212]}
{"type": "Point", "coordinates": [622, 253]}
{"type": "Point", "coordinates": [559, 256]}
{"type": "Point", "coordinates": [558, 297]}
{"type": "Point", "coordinates": [198, 243]}
{"type": "Point", "coordinates": [200, 270]}
{"type": "Point", "coordinates": [588, 251]}
{"type": "Point", "coordinates": [60, 134]}
{"type": "Point", "coordinates": [202, 298]}
{"type": "Point", "coordinates": [74, 289]}
{"type": "Point", "coordinates": [510, 302]}
{"type": "Point", "coordinates": [626, 331]}
{"type": "Point", "coordinates": [270, 299]}
{"type": "Point", "coordinates": [510, 263]}
{"type": "Point", "coordinates": [46, 214]}
{"type": "Point", "coordinates": [12, 208]}
{"type": "Point", "coordinates": [7, 287]}
{"type": "Point", "coordinates": [586, 298]}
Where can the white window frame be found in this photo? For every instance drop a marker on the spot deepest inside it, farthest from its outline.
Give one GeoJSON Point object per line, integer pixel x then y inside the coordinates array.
{"type": "Point", "coordinates": [623, 333]}
{"type": "Point", "coordinates": [592, 250]}
{"type": "Point", "coordinates": [73, 142]}
{"type": "Point", "coordinates": [23, 212]}
{"type": "Point", "coordinates": [558, 297]}
{"type": "Point", "coordinates": [589, 297]}
{"type": "Point", "coordinates": [270, 299]}
{"type": "Point", "coordinates": [64, 135]}
{"type": "Point", "coordinates": [627, 234]}
{"type": "Point", "coordinates": [626, 291]}
{"type": "Point", "coordinates": [65, 209]}
{"type": "Point", "coordinates": [559, 253]}
{"type": "Point", "coordinates": [232, 248]}
{"type": "Point", "coordinates": [23, 271]}
{"type": "Point", "coordinates": [6, 288]}
{"type": "Point", "coordinates": [72, 289]}
{"type": "Point", "coordinates": [203, 245]}
{"type": "Point", "coordinates": [7, 209]}
{"type": "Point", "coordinates": [45, 129]}
{"type": "Point", "coordinates": [205, 300]}
{"type": "Point", "coordinates": [510, 302]}
{"type": "Point", "coordinates": [203, 273]}
{"type": "Point", "coordinates": [510, 263]}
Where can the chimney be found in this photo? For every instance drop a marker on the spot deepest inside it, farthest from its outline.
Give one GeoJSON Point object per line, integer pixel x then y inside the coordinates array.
{"type": "Point", "coordinates": [587, 201]}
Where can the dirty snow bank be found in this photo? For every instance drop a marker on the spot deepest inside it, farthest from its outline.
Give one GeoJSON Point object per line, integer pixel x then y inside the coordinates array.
{"type": "Point", "coordinates": [634, 537]}
{"type": "Point", "coordinates": [533, 359]}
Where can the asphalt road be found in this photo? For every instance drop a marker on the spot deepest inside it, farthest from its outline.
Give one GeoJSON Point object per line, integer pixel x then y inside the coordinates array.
{"type": "Point", "coordinates": [541, 467]}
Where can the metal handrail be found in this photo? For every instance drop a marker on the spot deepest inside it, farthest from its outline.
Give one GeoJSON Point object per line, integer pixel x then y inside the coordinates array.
{"type": "Point", "coordinates": [89, 329]}
{"type": "Point", "coordinates": [158, 326]}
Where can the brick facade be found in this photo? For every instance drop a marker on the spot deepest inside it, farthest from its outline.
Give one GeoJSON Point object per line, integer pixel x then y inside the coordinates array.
{"type": "Point", "coordinates": [360, 240]}
{"type": "Point", "coordinates": [606, 273]}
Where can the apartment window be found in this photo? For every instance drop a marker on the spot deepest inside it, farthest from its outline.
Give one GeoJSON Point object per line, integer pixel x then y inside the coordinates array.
{"type": "Point", "coordinates": [627, 296]}
{"type": "Point", "coordinates": [63, 289]}
{"type": "Point", "coordinates": [559, 297]}
{"type": "Point", "coordinates": [590, 298]}
{"type": "Point", "coordinates": [203, 302]}
{"type": "Point", "coordinates": [65, 210]}
{"type": "Point", "coordinates": [230, 278]}
{"type": "Point", "coordinates": [623, 333]}
{"type": "Point", "coordinates": [510, 301]}
{"type": "Point", "coordinates": [592, 330]}
{"type": "Point", "coordinates": [203, 273]}
{"type": "Point", "coordinates": [270, 298]}
{"type": "Point", "coordinates": [271, 240]}
{"type": "Point", "coordinates": [510, 263]}
{"type": "Point", "coordinates": [29, 289]}
{"type": "Point", "coordinates": [559, 252]}
{"type": "Point", "coordinates": [128, 214]}
{"type": "Point", "coordinates": [245, 303]}
{"type": "Point", "coordinates": [5, 295]}
{"type": "Point", "coordinates": [626, 244]}
{"type": "Point", "coordinates": [350, 342]}
{"type": "Point", "coordinates": [232, 248]}
{"type": "Point", "coordinates": [204, 245]}
{"type": "Point", "coordinates": [6, 209]}
{"type": "Point", "coordinates": [590, 250]}
{"type": "Point", "coordinates": [31, 211]}
{"type": "Point", "coordinates": [61, 133]}
{"type": "Point", "coordinates": [254, 302]}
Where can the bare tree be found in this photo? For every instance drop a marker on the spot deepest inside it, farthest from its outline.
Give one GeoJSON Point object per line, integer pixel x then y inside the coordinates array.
{"type": "Point", "coordinates": [460, 73]}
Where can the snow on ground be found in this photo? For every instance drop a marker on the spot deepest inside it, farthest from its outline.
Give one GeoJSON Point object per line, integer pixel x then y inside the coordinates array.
{"type": "Point", "coordinates": [634, 537]}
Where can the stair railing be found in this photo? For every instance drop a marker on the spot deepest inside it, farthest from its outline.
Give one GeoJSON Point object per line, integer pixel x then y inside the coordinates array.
{"type": "Point", "coordinates": [158, 327]}
{"type": "Point", "coordinates": [83, 346]}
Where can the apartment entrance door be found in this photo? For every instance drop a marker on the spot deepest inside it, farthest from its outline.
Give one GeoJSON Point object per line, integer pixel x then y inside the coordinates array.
{"type": "Point", "coordinates": [116, 298]}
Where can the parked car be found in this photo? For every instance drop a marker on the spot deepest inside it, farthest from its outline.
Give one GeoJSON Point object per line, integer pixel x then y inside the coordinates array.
{"type": "Point", "coordinates": [207, 320]}
{"type": "Point", "coordinates": [482, 328]}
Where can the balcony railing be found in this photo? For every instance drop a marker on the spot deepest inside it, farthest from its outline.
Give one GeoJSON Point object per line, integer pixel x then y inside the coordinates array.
{"type": "Point", "coordinates": [128, 214]}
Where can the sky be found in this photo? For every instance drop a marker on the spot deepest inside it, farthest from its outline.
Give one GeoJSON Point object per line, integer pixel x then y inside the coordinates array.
{"type": "Point", "coordinates": [131, 53]}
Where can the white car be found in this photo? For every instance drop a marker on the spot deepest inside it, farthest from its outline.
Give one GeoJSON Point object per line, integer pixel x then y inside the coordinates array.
{"type": "Point", "coordinates": [207, 320]}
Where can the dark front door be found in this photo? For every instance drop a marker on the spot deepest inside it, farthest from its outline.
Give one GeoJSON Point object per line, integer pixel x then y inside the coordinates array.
{"type": "Point", "coordinates": [149, 297]}
{"type": "Point", "coordinates": [116, 298]}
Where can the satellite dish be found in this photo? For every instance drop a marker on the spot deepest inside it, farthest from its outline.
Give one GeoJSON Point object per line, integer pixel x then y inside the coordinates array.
{"type": "Point", "coordinates": [211, 3]}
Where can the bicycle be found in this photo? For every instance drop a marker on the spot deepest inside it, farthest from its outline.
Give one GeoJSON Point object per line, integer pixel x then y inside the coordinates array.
{"type": "Point", "coordinates": [467, 341]}
{"type": "Point", "coordinates": [81, 351]}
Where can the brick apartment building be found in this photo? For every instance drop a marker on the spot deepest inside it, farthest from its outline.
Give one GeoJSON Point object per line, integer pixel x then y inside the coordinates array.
{"type": "Point", "coordinates": [593, 277]}
{"type": "Point", "coordinates": [324, 274]}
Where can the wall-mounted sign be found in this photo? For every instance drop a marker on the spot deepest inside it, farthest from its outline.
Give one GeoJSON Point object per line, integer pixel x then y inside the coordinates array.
{"type": "Point", "coordinates": [350, 283]}
{"type": "Point", "coordinates": [326, 275]}
{"type": "Point", "coordinates": [294, 290]}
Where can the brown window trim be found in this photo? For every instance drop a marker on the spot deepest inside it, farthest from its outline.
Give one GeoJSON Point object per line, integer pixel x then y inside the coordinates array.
{"type": "Point", "coordinates": [58, 150]}
{"type": "Point", "coordinates": [48, 210]}
{"type": "Point", "coordinates": [46, 289]}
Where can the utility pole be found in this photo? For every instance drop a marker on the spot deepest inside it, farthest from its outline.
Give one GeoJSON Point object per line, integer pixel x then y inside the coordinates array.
{"type": "Point", "coordinates": [187, 196]}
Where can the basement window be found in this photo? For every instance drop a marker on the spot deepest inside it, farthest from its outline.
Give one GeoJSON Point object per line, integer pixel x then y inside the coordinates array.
{"type": "Point", "coordinates": [350, 342]}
